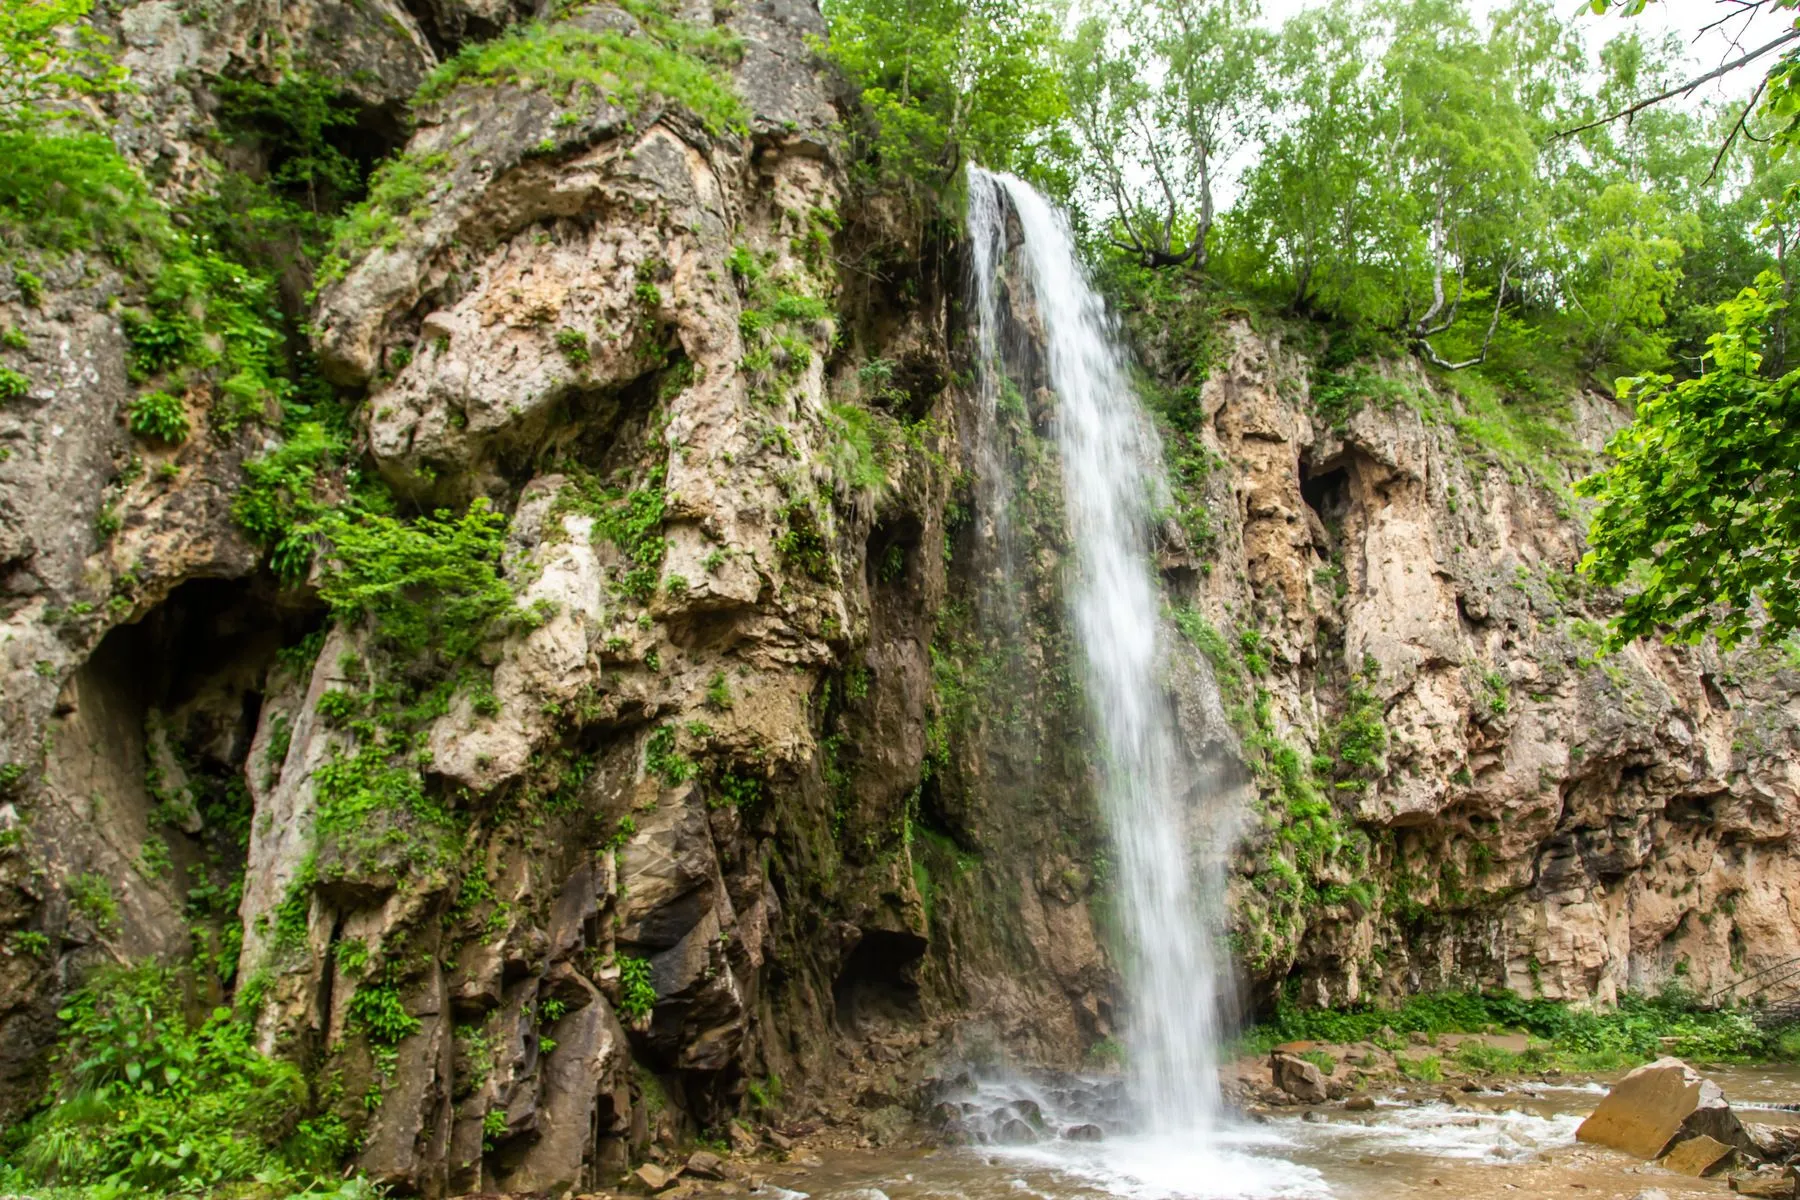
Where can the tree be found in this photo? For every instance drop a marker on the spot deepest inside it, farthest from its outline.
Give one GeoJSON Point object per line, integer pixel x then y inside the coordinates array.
{"type": "Point", "coordinates": [1401, 189]}
{"type": "Point", "coordinates": [1307, 201]}
{"type": "Point", "coordinates": [945, 81]}
{"type": "Point", "coordinates": [1704, 490]}
{"type": "Point", "coordinates": [1161, 97]}
{"type": "Point", "coordinates": [1624, 250]}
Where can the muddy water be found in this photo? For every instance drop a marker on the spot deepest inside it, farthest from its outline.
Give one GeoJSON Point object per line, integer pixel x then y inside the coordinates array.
{"type": "Point", "coordinates": [1511, 1143]}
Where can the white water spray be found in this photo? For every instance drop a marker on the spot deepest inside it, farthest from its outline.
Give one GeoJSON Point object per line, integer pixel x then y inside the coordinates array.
{"type": "Point", "coordinates": [1111, 464]}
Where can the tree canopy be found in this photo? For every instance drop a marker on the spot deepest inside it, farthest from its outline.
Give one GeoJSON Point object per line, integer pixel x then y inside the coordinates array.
{"type": "Point", "coordinates": [1510, 195]}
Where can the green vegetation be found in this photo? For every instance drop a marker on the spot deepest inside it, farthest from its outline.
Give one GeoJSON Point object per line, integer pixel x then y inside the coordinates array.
{"type": "Point", "coordinates": [159, 417]}
{"type": "Point", "coordinates": [91, 896]}
{"type": "Point", "coordinates": [672, 62]}
{"type": "Point", "coordinates": [631, 519]}
{"type": "Point", "coordinates": [637, 995]}
{"type": "Point", "coordinates": [431, 582]}
{"type": "Point", "coordinates": [664, 761]}
{"type": "Point", "coordinates": [1703, 489]}
{"type": "Point", "coordinates": [399, 195]}
{"type": "Point", "coordinates": [1575, 1039]}
{"type": "Point", "coordinates": [1310, 843]}
{"type": "Point", "coordinates": [949, 81]}
{"type": "Point", "coordinates": [145, 1100]}
{"type": "Point", "coordinates": [802, 543]}
{"type": "Point", "coordinates": [13, 385]}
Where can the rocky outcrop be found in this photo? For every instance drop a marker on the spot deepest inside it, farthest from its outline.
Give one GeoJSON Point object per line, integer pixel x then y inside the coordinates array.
{"type": "Point", "coordinates": [773, 788]}
{"type": "Point", "coordinates": [1542, 817]}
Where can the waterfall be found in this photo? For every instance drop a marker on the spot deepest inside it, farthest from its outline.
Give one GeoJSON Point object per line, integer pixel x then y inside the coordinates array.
{"type": "Point", "coordinates": [1112, 471]}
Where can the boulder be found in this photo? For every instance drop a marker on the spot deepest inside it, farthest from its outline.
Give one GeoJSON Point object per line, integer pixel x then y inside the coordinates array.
{"type": "Point", "coordinates": [1299, 1078]}
{"type": "Point", "coordinates": [1014, 1132]}
{"type": "Point", "coordinates": [1775, 1143]}
{"type": "Point", "coordinates": [653, 1177]}
{"type": "Point", "coordinates": [1698, 1156]}
{"type": "Point", "coordinates": [1772, 1183]}
{"type": "Point", "coordinates": [1360, 1104]}
{"type": "Point", "coordinates": [1660, 1103]}
{"type": "Point", "coordinates": [703, 1164]}
{"type": "Point", "coordinates": [1084, 1133]}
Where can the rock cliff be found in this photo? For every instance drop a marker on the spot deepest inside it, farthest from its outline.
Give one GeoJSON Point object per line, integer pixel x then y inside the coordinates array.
{"type": "Point", "coordinates": [769, 790]}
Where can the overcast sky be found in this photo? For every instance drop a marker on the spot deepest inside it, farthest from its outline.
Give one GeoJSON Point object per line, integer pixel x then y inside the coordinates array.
{"type": "Point", "coordinates": [1685, 17]}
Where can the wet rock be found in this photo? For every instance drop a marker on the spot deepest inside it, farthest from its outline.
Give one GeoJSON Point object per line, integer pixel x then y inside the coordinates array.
{"type": "Point", "coordinates": [653, 1177]}
{"type": "Point", "coordinates": [1299, 1078]}
{"type": "Point", "coordinates": [1015, 1132]}
{"type": "Point", "coordinates": [1360, 1104]}
{"type": "Point", "coordinates": [1313, 1116]}
{"type": "Point", "coordinates": [1655, 1104]}
{"type": "Point", "coordinates": [1029, 1111]}
{"type": "Point", "coordinates": [1777, 1143]}
{"type": "Point", "coordinates": [702, 1164]}
{"type": "Point", "coordinates": [1084, 1133]}
{"type": "Point", "coordinates": [1698, 1156]}
{"type": "Point", "coordinates": [1772, 1183]}
{"type": "Point", "coordinates": [886, 1126]}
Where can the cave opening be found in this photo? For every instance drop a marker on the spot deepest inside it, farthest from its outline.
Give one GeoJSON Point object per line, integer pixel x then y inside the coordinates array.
{"type": "Point", "coordinates": [891, 551]}
{"type": "Point", "coordinates": [148, 753]}
{"type": "Point", "coordinates": [1326, 492]}
{"type": "Point", "coordinates": [878, 983]}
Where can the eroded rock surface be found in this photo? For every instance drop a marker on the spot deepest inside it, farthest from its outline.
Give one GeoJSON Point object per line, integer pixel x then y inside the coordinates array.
{"type": "Point", "coordinates": [775, 794]}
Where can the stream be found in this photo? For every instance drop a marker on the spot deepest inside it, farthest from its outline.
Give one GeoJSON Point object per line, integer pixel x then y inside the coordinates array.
{"type": "Point", "coordinates": [1515, 1142]}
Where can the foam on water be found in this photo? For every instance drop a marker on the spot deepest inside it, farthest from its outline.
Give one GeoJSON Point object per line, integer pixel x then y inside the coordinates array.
{"type": "Point", "coordinates": [1225, 1166]}
{"type": "Point", "coordinates": [1441, 1132]}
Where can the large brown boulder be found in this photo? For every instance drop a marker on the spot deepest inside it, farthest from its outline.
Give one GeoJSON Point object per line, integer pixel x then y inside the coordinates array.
{"type": "Point", "coordinates": [1298, 1078]}
{"type": "Point", "coordinates": [1664, 1102]}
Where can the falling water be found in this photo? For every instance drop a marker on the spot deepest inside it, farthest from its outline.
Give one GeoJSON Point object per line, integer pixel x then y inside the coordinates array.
{"type": "Point", "coordinates": [1111, 464]}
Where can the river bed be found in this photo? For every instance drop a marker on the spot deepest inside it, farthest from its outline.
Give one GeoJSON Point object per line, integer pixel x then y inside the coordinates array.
{"type": "Point", "coordinates": [1516, 1140]}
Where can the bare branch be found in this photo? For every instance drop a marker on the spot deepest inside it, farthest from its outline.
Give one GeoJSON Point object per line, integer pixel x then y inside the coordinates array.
{"type": "Point", "coordinates": [1736, 128]}
{"type": "Point", "coordinates": [1683, 89]}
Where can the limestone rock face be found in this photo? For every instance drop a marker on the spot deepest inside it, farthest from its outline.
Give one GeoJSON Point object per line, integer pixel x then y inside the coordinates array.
{"type": "Point", "coordinates": [1542, 817]}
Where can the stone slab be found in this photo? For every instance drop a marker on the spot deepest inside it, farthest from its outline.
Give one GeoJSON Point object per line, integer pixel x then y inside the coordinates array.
{"type": "Point", "coordinates": [1698, 1156]}
{"type": "Point", "coordinates": [1644, 1110]}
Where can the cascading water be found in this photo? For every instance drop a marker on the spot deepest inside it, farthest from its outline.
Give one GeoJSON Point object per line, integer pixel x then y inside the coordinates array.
{"type": "Point", "coordinates": [1111, 466]}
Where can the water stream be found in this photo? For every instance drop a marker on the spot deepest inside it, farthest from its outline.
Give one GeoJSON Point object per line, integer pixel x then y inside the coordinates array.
{"type": "Point", "coordinates": [1509, 1143]}
{"type": "Point", "coordinates": [1167, 839]}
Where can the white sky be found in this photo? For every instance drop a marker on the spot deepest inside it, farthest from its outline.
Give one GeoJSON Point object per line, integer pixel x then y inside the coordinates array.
{"type": "Point", "coordinates": [1685, 17]}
